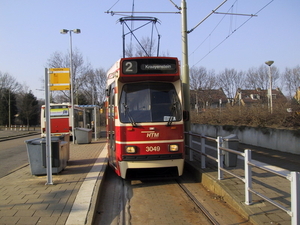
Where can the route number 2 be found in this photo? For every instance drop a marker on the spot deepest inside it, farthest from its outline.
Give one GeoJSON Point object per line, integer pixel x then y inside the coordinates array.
{"type": "Point", "coordinates": [129, 67]}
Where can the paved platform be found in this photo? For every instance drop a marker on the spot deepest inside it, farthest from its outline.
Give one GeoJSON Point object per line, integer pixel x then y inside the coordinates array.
{"type": "Point", "coordinates": [232, 190]}
{"type": "Point", "coordinates": [26, 199]}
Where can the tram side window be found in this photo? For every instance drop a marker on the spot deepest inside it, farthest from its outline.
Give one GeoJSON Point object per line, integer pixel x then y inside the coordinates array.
{"type": "Point", "coordinates": [111, 100]}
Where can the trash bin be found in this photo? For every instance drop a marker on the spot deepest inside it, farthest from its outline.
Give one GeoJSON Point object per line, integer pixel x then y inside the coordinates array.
{"type": "Point", "coordinates": [36, 151]}
{"type": "Point", "coordinates": [83, 135]}
{"type": "Point", "coordinates": [64, 138]}
{"type": "Point", "coordinates": [231, 142]}
{"type": "Point", "coordinates": [59, 154]}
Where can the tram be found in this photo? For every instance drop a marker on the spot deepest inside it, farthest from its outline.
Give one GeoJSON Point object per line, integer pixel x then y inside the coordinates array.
{"type": "Point", "coordinates": [61, 119]}
{"type": "Point", "coordinates": [145, 126]}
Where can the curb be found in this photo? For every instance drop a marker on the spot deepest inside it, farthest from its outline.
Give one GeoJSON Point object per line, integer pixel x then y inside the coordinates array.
{"type": "Point", "coordinates": [84, 206]}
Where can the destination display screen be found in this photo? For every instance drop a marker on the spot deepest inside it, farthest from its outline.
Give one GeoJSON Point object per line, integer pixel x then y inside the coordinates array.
{"type": "Point", "coordinates": [59, 111]}
{"type": "Point", "coordinates": [149, 66]}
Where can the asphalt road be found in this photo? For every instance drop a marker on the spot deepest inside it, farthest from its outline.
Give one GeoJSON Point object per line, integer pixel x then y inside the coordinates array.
{"type": "Point", "coordinates": [13, 155]}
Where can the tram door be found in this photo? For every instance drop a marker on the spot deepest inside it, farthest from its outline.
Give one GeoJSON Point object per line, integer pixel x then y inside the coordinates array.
{"type": "Point", "coordinates": [111, 124]}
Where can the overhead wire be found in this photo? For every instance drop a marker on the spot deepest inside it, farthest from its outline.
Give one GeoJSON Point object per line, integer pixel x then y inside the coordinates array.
{"type": "Point", "coordinates": [209, 35]}
{"type": "Point", "coordinates": [132, 23]}
{"type": "Point", "coordinates": [179, 8]}
{"type": "Point", "coordinates": [113, 6]}
{"type": "Point", "coordinates": [232, 32]}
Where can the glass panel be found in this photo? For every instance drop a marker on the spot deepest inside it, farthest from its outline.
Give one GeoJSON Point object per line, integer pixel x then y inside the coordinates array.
{"type": "Point", "coordinates": [149, 102]}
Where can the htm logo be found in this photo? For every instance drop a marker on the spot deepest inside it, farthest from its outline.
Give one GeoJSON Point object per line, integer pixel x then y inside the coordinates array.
{"type": "Point", "coordinates": [152, 135]}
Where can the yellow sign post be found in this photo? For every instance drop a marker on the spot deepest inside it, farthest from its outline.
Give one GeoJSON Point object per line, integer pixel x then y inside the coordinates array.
{"type": "Point", "coordinates": [59, 79]}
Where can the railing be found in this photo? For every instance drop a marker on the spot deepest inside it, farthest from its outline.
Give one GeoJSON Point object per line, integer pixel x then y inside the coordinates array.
{"type": "Point", "coordinates": [19, 128]}
{"type": "Point", "coordinates": [293, 177]}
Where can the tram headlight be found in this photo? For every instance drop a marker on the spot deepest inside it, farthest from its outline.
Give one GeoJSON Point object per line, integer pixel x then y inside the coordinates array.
{"type": "Point", "coordinates": [173, 148]}
{"type": "Point", "coordinates": [130, 149]}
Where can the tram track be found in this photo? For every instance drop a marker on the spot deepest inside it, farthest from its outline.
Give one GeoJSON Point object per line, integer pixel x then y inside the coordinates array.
{"type": "Point", "coordinates": [166, 201]}
{"type": "Point", "coordinates": [17, 136]}
{"type": "Point", "coordinates": [200, 206]}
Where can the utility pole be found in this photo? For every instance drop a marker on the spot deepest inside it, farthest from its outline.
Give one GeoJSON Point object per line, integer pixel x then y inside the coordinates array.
{"type": "Point", "coordinates": [185, 65]}
{"type": "Point", "coordinates": [270, 102]}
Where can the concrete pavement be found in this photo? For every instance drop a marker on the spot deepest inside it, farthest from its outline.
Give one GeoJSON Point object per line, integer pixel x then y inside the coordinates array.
{"type": "Point", "coordinates": [25, 199]}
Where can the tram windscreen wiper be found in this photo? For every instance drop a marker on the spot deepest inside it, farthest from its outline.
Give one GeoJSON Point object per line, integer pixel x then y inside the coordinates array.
{"type": "Point", "coordinates": [173, 109]}
{"type": "Point", "coordinates": [129, 115]}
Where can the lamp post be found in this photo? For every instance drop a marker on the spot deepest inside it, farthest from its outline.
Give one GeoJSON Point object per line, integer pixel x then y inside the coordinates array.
{"type": "Point", "coordinates": [269, 63]}
{"type": "Point", "coordinates": [76, 31]}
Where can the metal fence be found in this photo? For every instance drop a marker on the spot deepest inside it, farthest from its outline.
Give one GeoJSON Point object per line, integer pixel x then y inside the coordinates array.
{"type": "Point", "coordinates": [14, 128]}
{"type": "Point", "coordinates": [292, 177]}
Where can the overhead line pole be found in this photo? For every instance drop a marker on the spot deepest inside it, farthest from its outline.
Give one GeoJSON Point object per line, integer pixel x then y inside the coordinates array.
{"type": "Point", "coordinates": [184, 63]}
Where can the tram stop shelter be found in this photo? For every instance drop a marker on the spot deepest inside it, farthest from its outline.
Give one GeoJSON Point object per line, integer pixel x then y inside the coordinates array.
{"type": "Point", "coordinates": [92, 119]}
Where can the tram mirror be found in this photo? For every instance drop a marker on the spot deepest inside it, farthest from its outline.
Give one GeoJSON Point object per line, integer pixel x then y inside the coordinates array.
{"type": "Point", "coordinates": [107, 92]}
{"type": "Point", "coordinates": [186, 115]}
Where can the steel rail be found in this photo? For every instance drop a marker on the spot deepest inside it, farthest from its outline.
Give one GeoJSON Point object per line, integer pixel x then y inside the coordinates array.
{"type": "Point", "coordinates": [208, 215]}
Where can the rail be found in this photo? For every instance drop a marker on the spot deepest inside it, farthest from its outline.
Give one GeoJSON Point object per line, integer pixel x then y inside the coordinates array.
{"type": "Point", "coordinates": [291, 176]}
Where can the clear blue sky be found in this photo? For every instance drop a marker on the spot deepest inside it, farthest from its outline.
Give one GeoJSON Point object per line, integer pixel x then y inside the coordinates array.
{"type": "Point", "coordinates": [30, 33]}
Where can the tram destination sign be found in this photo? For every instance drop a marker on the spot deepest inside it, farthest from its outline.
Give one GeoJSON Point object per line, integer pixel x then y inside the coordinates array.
{"type": "Point", "coordinates": [149, 66]}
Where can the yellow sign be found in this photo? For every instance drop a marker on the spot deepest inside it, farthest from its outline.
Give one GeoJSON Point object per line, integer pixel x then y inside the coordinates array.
{"type": "Point", "coordinates": [59, 69]}
{"type": "Point", "coordinates": [59, 79]}
{"type": "Point", "coordinates": [60, 87]}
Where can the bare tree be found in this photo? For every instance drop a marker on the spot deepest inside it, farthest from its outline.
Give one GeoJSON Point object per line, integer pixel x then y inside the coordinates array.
{"type": "Point", "coordinates": [93, 86]}
{"type": "Point", "coordinates": [259, 77]}
{"type": "Point", "coordinates": [197, 77]}
{"type": "Point", "coordinates": [129, 51]}
{"type": "Point", "coordinates": [200, 78]}
{"type": "Point", "coordinates": [9, 82]}
{"type": "Point", "coordinates": [230, 80]}
{"type": "Point", "coordinates": [292, 80]}
{"type": "Point", "coordinates": [80, 68]}
{"type": "Point", "coordinates": [145, 47]}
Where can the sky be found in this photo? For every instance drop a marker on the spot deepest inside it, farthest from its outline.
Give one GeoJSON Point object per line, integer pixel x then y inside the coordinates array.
{"type": "Point", "coordinates": [30, 33]}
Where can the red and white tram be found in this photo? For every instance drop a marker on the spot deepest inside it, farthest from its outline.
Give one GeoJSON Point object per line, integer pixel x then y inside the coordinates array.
{"type": "Point", "coordinates": [145, 127]}
{"type": "Point", "coordinates": [61, 119]}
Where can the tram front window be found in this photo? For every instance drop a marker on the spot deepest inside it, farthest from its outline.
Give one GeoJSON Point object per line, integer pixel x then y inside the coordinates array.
{"type": "Point", "coordinates": [149, 102]}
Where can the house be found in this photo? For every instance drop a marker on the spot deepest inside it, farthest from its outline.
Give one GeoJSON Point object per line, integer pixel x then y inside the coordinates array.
{"type": "Point", "coordinates": [258, 97]}
{"type": "Point", "coordinates": [297, 95]}
{"type": "Point", "coordinates": [213, 98]}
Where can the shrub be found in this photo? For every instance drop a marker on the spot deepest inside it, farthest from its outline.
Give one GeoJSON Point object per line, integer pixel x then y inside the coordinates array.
{"type": "Point", "coordinates": [255, 116]}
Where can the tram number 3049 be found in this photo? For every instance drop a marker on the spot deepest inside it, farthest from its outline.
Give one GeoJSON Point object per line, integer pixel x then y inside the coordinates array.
{"type": "Point", "coordinates": [152, 148]}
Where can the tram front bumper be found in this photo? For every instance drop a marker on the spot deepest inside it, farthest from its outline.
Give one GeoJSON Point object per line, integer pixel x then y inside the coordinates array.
{"type": "Point", "coordinates": [124, 165]}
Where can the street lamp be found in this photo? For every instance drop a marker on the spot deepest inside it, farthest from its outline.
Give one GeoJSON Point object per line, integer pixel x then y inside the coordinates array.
{"type": "Point", "coordinates": [269, 63]}
{"type": "Point", "coordinates": [76, 31]}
